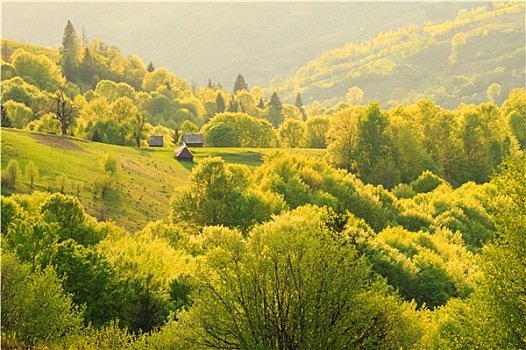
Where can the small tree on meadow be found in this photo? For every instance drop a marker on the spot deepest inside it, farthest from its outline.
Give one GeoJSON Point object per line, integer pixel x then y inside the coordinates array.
{"type": "Point", "coordinates": [62, 181]}
{"type": "Point", "coordinates": [32, 173]}
{"type": "Point", "coordinates": [108, 163]}
{"type": "Point", "coordinates": [12, 171]}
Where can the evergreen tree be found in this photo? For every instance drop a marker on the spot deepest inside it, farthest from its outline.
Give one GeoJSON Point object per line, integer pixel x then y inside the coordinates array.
{"type": "Point", "coordinates": [86, 67]}
{"type": "Point", "coordinates": [261, 104]}
{"type": "Point", "coordinates": [240, 84]}
{"type": "Point", "coordinates": [150, 67]}
{"type": "Point", "coordinates": [6, 122]}
{"type": "Point", "coordinates": [220, 103]}
{"type": "Point", "coordinates": [299, 104]}
{"type": "Point", "coordinates": [6, 54]}
{"type": "Point", "coordinates": [275, 111]}
{"type": "Point", "coordinates": [70, 48]}
{"type": "Point", "coordinates": [234, 106]}
{"type": "Point", "coordinates": [210, 85]}
{"type": "Point", "coordinates": [84, 37]}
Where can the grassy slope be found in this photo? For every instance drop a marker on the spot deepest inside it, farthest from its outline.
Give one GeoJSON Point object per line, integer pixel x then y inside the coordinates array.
{"type": "Point", "coordinates": [147, 177]}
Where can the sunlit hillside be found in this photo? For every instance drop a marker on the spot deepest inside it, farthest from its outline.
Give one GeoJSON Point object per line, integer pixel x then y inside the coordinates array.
{"type": "Point", "coordinates": [449, 61]}
{"type": "Point", "coordinates": [145, 181]}
{"type": "Point", "coordinates": [201, 40]}
{"type": "Point", "coordinates": [372, 199]}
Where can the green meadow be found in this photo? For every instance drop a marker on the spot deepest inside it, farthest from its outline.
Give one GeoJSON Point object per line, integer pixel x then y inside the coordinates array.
{"type": "Point", "coordinates": [146, 177]}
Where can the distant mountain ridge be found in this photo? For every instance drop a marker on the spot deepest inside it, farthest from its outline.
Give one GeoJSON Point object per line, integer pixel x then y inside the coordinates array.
{"type": "Point", "coordinates": [449, 62]}
{"type": "Point", "coordinates": [198, 41]}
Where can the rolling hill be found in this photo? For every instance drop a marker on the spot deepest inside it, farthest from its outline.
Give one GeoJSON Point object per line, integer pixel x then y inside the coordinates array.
{"type": "Point", "coordinates": [146, 177]}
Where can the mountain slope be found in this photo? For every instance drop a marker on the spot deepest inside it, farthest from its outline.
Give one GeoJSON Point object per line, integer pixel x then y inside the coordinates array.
{"type": "Point", "coordinates": [219, 40]}
{"type": "Point", "coordinates": [451, 62]}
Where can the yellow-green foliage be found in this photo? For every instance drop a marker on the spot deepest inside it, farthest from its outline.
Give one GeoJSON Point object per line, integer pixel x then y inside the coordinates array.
{"type": "Point", "coordinates": [413, 52]}
{"type": "Point", "coordinates": [147, 257]}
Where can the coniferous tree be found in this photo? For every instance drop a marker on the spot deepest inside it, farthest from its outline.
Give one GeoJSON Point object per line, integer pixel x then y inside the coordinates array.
{"type": "Point", "coordinates": [70, 48]}
{"type": "Point", "coordinates": [210, 85]}
{"type": "Point", "coordinates": [150, 67]}
{"type": "Point", "coordinates": [234, 106]}
{"type": "Point", "coordinates": [220, 103]}
{"type": "Point", "coordinates": [84, 37]}
{"type": "Point", "coordinates": [299, 104]}
{"type": "Point", "coordinates": [6, 54]}
{"type": "Point", "coordinates": [275, 111]}
{"type": "Point", "coordinates": [6, 122]}
{"type": "Point", "coordinates": [240, 83]}
{"type": "Point", "coordinates": [261, 104]}
{"type": "Point", "coordinates": [86, 67]}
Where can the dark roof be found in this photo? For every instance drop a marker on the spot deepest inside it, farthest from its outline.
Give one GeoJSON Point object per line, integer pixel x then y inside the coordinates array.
{"type": "Point", "coordinates": [156, 141]}
{"type": "Point", "coordinates": [183, 152]}
{"type": "Point", "coordinates": [193, 138]}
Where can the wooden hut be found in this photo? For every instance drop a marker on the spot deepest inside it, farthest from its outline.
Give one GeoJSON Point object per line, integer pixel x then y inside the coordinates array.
{"type": "Point", "coordinates": [193, 140]}
{"type": "Point", "coordinates": [156, 141]}
{"type": "Point", "coordinates": [183, 153]}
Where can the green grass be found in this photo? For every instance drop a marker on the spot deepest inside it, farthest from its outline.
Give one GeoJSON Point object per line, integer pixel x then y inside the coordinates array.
{"type": "Point", "coordinates": [147, 177]}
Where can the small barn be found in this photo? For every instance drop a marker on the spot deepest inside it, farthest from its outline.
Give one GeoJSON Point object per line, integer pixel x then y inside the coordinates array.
{"type": "Point", "coordinates": [156, 141]}
{"type": "Point", "coordinates": [183, 153]}
{"type": "Point", "coordinates": [193, 140]}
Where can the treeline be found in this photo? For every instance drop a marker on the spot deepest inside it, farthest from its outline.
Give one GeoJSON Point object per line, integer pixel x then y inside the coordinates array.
{"type": "Point", "coordinates": [99, 95]}
{"type": "Point", "coordinates": [89, 90]}
{"type": "Point", "coordinates": [380, 147]}
{"type": "Point", "coordinates": [391, 147]}
{"type": "Point", "coordinates": [394, 146]}
{"type": "Point", "coordinates": [295, 255]}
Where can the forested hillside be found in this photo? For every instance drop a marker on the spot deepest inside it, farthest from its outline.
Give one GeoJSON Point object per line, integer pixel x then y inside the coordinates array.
{"type": "Point", "coordinates": [201, 40]}
{"type": "Point", "coordinates": [426, 267]}
{"type": "Point", "coordinates": [389, 224]}
{"type": "Point", "coordinates": [475, 56]}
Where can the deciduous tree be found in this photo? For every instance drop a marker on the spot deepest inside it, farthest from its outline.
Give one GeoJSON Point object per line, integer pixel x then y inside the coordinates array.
{"type": "Point", "coordinates": [64, 109]}
{"type": "Point", "coordinates": [6, 122]}
{"type": "Point", "coordinates": [12, 171]}
{"type": "Point", "coordinates": [292, 286]}
{"type": "Point", "coordinates": [291, 133]}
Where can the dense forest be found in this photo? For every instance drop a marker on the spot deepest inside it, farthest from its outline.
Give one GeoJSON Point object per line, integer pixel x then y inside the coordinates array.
{"type": "Point", "coordinates": [404, 231]}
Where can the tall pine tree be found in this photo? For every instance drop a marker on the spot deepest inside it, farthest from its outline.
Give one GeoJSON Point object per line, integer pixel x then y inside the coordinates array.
{"type": "Point", "coordinates": [240, 84]}
{"type": "Point", "coordinates": [70, 50]}
{"type": "Point", "coordinates": [220, 103]}
{"type": "Point", "coordinates": [275, 110]}
{"type": "Point", "coordinates": [299, 104]}
{"type": "Point", "coordinates": [150, 67]}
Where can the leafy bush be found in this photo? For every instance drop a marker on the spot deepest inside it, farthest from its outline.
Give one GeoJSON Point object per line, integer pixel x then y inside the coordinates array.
{"type": "Point", "coordinates": [426, 182]}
